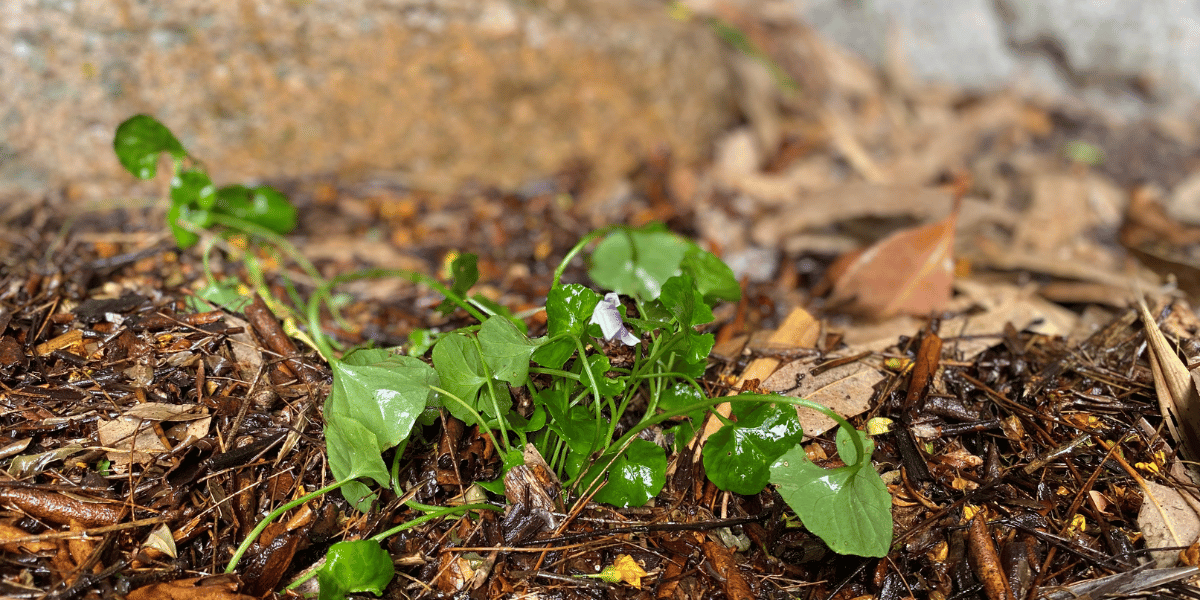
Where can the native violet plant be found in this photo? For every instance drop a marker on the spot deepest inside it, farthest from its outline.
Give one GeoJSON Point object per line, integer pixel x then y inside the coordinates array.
{"type": "Point", "coordinates": [197, 204]}
{"type": "Point", "coordinates": [659, 293]}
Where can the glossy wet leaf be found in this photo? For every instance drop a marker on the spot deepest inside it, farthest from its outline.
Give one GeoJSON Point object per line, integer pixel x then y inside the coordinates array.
{"type": "Point", "coordinates": [506, 350]}
{"type": "Point", "coordinates": [180, 213]}
{"type": "Point", "coordinates": [600, 366]}
{"type": "Point", "coordinates": [385, 392]}
{"type": "Point", "coordinates": [464, 272]}
{"type": "Point", "coordinates": [849, 508]}
{"type": "Point", "coordinates": [353, 453]}
{"type": "Point", "coordinates": [354, 567]}
{"type": "Point", "coordinates": [568, 312]}
{"type": "Point", "coordinates": [535, 422]}
{"type": "Point", "coordinates": [713, 277]}
{"type": "Point", "coordinates": [193, 186]}
{"type": "Point", "coordinates": [684, 302]}
{"type": "Point", "coordinates": [678, 396]}
{"type": "Point", "coordinates": [638, 262]}
{"type": "Point", "coordinates": [262, 205]}
{"type": "Point", "coordinates": [738, 457]}
{"type": "Point", "coordinates": [634, 478]}
{"type": "Point", "coordinates": [690, 355]}
{"type": "Point", "coordinates": [575, 425]}
{"type": "Point", "coordinates": [845, 445]}
{"type": "Point", "coordinates": [139, 141]}
{"type": "Point", "coordinates": [460, 370]}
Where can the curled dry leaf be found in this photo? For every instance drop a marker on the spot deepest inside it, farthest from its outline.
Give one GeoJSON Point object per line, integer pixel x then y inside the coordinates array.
{"type": "Point", "coordinates": [909, 272]}
{"type": "Point", "coordinates": [57, 507]}
{"type": "Point", "coordinates": [724, 564]}
{"type": "Point", "coordinates": [987, 561]}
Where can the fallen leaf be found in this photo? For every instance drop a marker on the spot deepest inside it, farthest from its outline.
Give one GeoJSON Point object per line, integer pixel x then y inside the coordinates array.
{"type": "Point", "coordinates": [908, 272]}
{"type": "Point", "coordinates": [723, 563]}
{"type": "Point", "coordinates": [846, 389]}
{"type": "Point", "coordinates": [9, 531]}
{"type": "Point", "coordinates": [1164, 245]}
{"type": "Point", "coordinates": [1059, 214]}
{"type": "Point", "coordinates": [1166, 520]}
{"type": "Point", "coordinates": [1001, 305]}
{"type": "Point", "coordinates": [986, 560]}
{"type": "Point", "coordinates": [851, 201]}
{"type": "Point", "coordinates": [218, 587]}
{"type": "Point", "coordinates": [1121, 584]}
{"type": "Point", "coordinates": [1176, 388]}
{"type": "Point", "coordinates": [131, 437]}
{"type": "Point", "coordinates": [161, 539]}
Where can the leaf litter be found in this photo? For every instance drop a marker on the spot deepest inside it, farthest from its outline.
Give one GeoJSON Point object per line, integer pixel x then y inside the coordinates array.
{"type": "Point", "coordinates": [1027, 455]}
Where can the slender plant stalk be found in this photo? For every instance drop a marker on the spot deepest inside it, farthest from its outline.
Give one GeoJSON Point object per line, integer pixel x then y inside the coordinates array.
{"type": "Point", "coordinates": [275, 514]}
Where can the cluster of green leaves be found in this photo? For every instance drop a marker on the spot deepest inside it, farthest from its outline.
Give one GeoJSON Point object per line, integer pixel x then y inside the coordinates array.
{"type": "Point", "coordinates": [669, 285]}
{"type": "Point", "coordinates": [672, 286]}
{"type": "Point", "coordinates": [197, 204]}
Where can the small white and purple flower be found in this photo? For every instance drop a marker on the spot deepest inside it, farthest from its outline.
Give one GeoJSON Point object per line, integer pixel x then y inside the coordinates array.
{"type": "Point", "coordinates": [608, 316]}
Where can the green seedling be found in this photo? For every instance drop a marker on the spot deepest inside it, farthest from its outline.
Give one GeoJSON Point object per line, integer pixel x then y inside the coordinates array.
{"type": "Point", "coordinates": [197, 204]}
{"type": "Point", "coordinates": [378, 396]}
{"type": "Point", "coordinates": [657, 291]}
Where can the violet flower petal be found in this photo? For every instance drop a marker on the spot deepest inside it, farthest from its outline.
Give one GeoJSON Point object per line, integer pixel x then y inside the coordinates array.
{"type": "Point", "coordinates": [608, 316]}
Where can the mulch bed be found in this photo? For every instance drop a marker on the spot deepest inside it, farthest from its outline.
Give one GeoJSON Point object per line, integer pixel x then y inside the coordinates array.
{"type": "Point", "coordinates": [1011, 473]}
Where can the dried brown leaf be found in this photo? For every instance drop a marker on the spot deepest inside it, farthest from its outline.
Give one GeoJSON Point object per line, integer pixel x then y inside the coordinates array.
{"type": "Point", "coordinates": [219, 587]}
{"type": "Point", "coordinates": [12, 532]}
{"type": "Point", "coordinates": [847, 390]}
{"type": "Point", "coordinates": [1178, 398]}
{"type": "Point", "coordinates": [987, 561]}
{"type": "Point", "coordinates": [908, 272]}
{"type": "Point", "coordinates": [1059, 213]}
{"type": "Point", "coordinates": [723, 563]}
{"type": "Point", "coordinates": [857, 200]}
{"type": "Point", "coordinates": [1166, 519]}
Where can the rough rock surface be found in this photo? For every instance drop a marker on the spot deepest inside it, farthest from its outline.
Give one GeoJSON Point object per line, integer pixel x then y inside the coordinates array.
{"type": "Point", "coordinates": [1135, 57]}
{"type": "Point", "coordinates": [431, 92]}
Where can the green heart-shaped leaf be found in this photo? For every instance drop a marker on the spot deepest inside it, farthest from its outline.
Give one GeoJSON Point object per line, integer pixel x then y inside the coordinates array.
{"type": "Point", "coordinates": [352, 567]}
{"type": "Point", "coordinates": [638, 262]}
{"type": "Point", "coordinates": [506, 350]}
{"type": "Point", "coordinates": [848, 507]}
{"type": "Point", "coordinates": [737, 457]}
{"type": "Point", "coordinates": [568, 313]}
{"type": "Point", "coordinates": [634, 478]}
{"type": "Point", "coordinates": [385, 392]}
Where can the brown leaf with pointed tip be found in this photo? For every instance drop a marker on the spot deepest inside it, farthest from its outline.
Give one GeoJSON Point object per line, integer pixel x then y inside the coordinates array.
{"type": "Point", "coordinates": [1178, 396]}
{"type": "Point", "coordinates": [909, 272]}
{"type": "Point", "coordinates": [213, 587]}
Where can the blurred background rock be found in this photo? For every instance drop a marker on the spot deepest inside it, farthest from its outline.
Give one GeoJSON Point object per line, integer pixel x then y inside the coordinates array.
{"type": "Point", "coordinates": [433, 93]}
